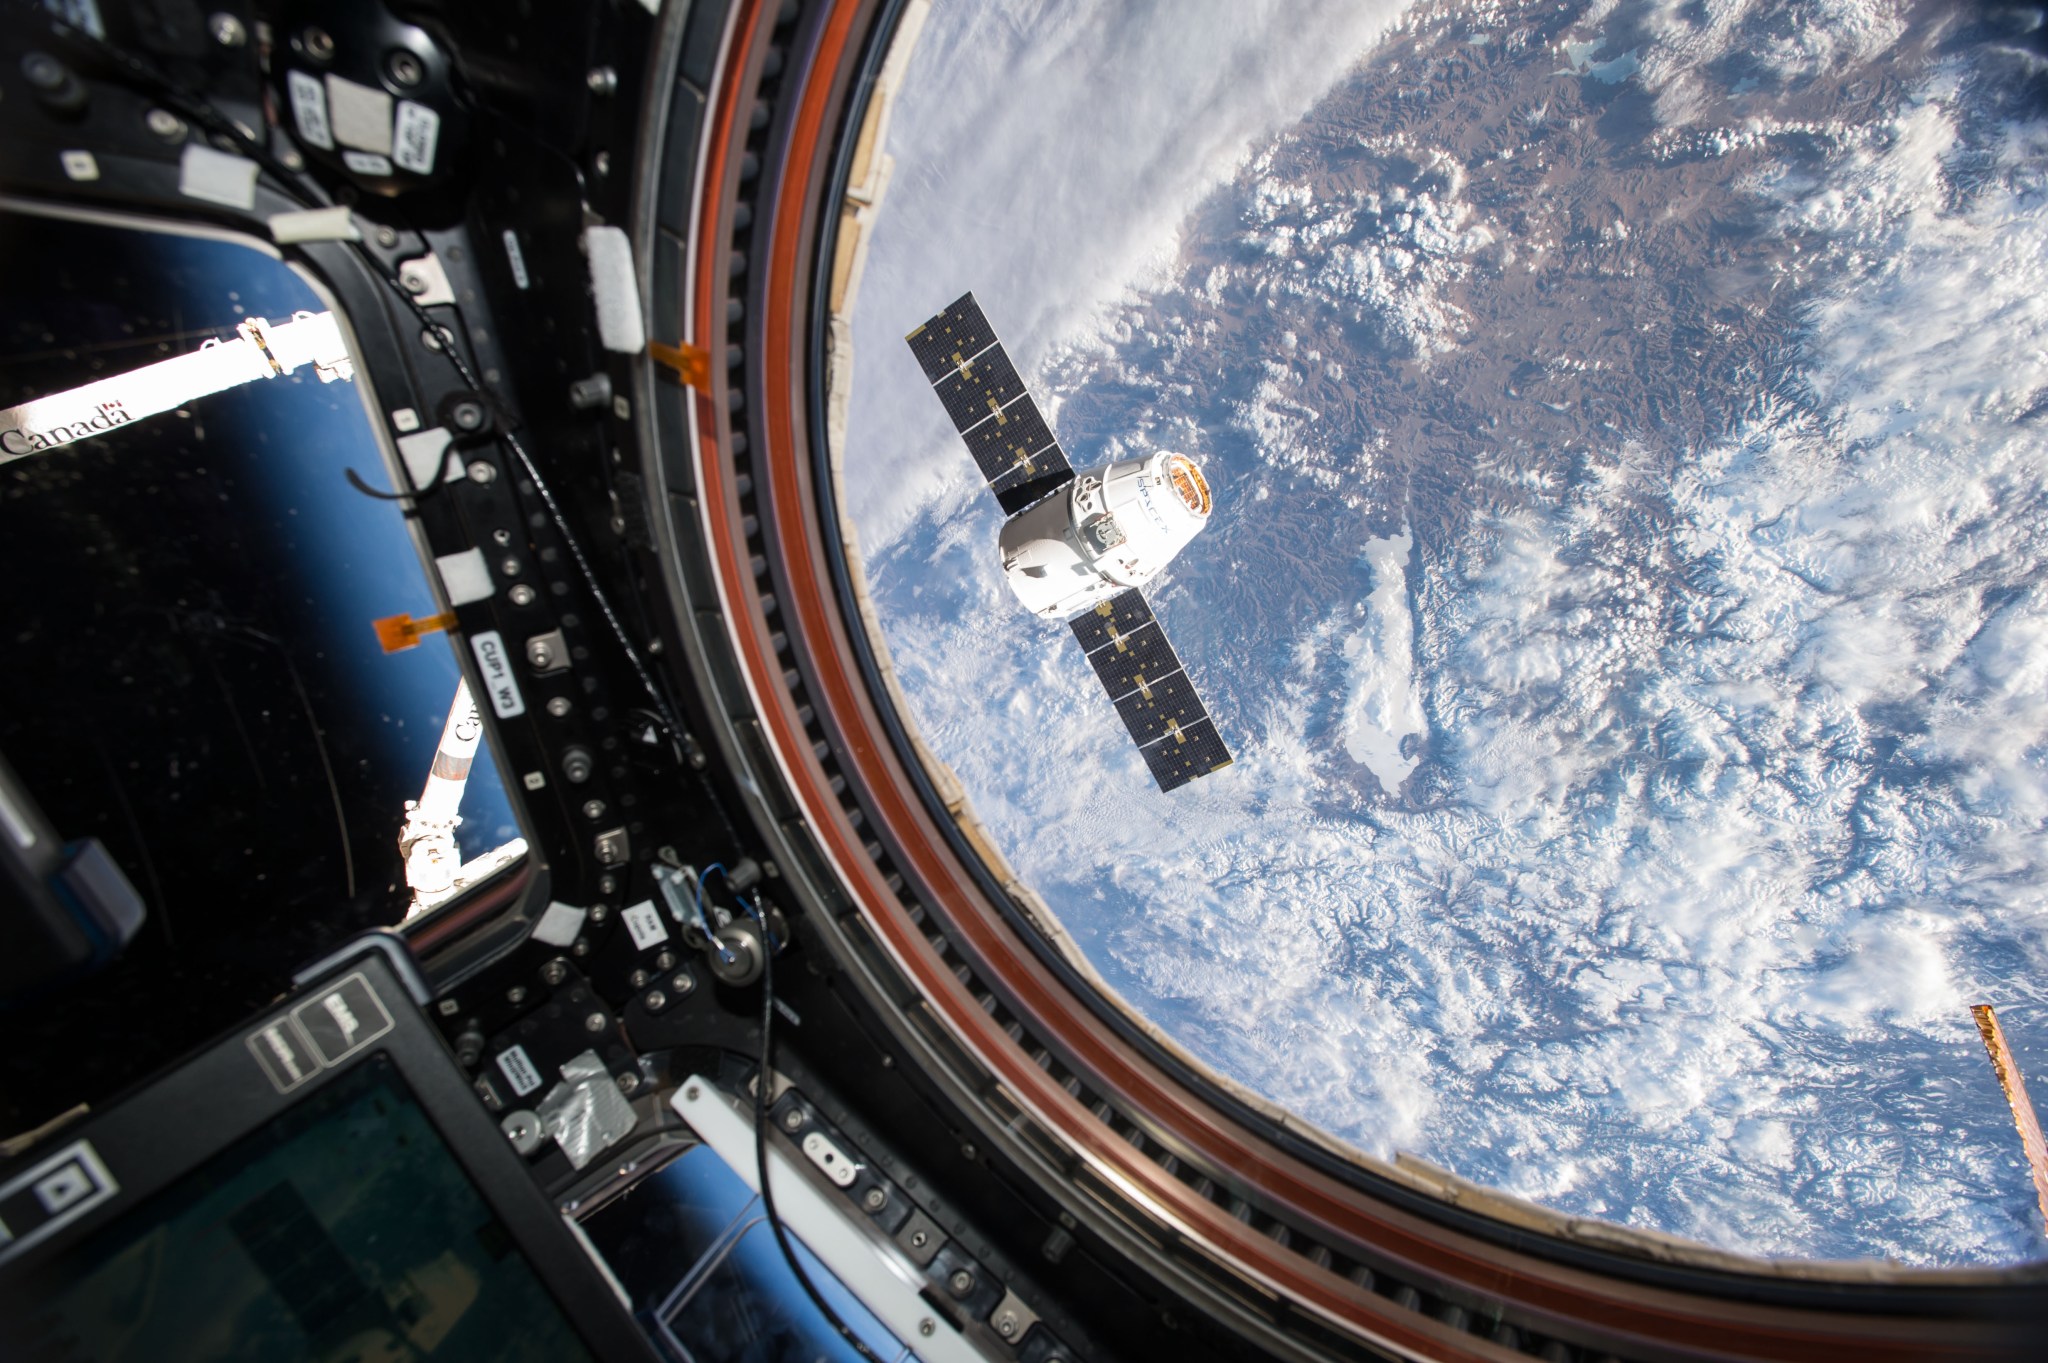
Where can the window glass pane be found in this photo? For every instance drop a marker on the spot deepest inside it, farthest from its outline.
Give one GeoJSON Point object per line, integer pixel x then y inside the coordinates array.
{"type": "Point", "coordinates": [1623, 595]}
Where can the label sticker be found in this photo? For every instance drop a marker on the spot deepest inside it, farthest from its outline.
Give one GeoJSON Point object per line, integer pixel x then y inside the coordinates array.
{"type": "Point", "coordinates": [216, 177]}
{"type": "Point", "coordinates": [57, 1191]}
{"type": "Point", "coordinates": [361, 116]}
{"type": "Point", "coordinates": [283, 1055]}
{"type": "Point", "coordinates": [309, 109]}
{"type": "Point", "coordinates": [517, 259]}
{"type": "Point", "coordinates": [415, 136]}
{"type": "Point", "coordinates": [342, 1019]}
{"type": "Point", "coordinates": [496, 665]}
{"type": "Point", "coordinates": [519, 1070]}
{"type": "Point", "coordinates": [645, 924]}
{"type": "Point", "coordinates": [366, 163]}
{"type": "Point", "coordinates": [559, 925]}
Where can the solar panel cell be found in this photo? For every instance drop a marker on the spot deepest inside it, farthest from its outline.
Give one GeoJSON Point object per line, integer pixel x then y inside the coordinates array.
{"type": "Point", "coordinates": [977, 391]}
{"type": "Point", "coordinates": [951, 338]}
{"type": "Point", "coordinates": [1121, 614]}
{"type": "Point", "coordinates": [1191, 751]}
{"type": "Point", "coordinates": [1141, 653]}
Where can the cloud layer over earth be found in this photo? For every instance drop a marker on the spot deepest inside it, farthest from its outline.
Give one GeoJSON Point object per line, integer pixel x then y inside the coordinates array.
{"type": "Point", "coordinates": [1703, 356]}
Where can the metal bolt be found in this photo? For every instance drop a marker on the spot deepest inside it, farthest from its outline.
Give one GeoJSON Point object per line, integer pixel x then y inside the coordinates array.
{"type": "Point", "coordinates": [693, 1093]}
{"type": "Point", "coordinates": [602, 80]}
{"type": "Point", "coordinates": [291, 159]}
{"type": "Point", "coordinates": [594, 1023]}
{"type": "Point", "coordinates": [467, 416]}
{"type": "Point", "coordinates": [925, 1326]}
{"type": "Point", "coordinates": [600, 912]}
{"type": "Point", "coordinates": [510, 568]}
{"type": "Point", "coordinates": [317, 44]}
{"type": "Point", "coordinates": [875, 1199]}
{"type": "Point", "coordinates": [656, 1000]}
{"type": "Point", "coordinates": [482, 472]}
{"type": "Point", "coordinates": [605, 885]}
{"type": "Point", "coordinates": [919, 1239]}
{"type": "Point", "coordinates": [970, 1151]}
{"type": "Point", "coordinates": [961, 1283]}
{"type": "Point", "coordinates": [638, 979]}
{"type": "Point", "coordinates": [227, 30]}
{"type": "Point", "coordinates": [793, 1120]}
{"type": "Point", "coordinates": [516, 994]}
{"type": "Point", "coordinates": [430, 337]}
{"type": "Point", "coordinates": [577, 766]}
{"type": "Point", "coordinates": [1006, 1324]}
{"type": "Point", "coordinates": [387, 237]}
{"type": "Point", "coordinates": [522, 595]}
{"type": "Point", "coordinates": [682, 984]}
{"type": "Point", "coordinates": [413, 281]}
{"type": "Point", "coordinates": [164, 124]}
{"type": "Point", "coordinates": [582, 947]}
{"type": "Point", "coordinates": [629, 1082]}
{"type": "Point", "coordinates": [665, 961]}
{"type": "Point", "coordinates": [539, 653]}
{"type": "Point", "coordinates": [559, 706]}
{"type": "Point", "coordinates": [501, 537]}
{"type": "Point", "coordinates": [593, 809]}
{"type": "Point", "coordinates": [602, 163]}
{"type": "Point", "coordinates": [554, 972]}
{"type": "Point", "coordinates": [44, 71]}
{"type": "Point", "coordinates": [404, 68]}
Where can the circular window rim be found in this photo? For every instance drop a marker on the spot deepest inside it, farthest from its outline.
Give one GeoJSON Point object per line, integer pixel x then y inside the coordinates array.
{"type": "Point", "coordinates": [946, 801]}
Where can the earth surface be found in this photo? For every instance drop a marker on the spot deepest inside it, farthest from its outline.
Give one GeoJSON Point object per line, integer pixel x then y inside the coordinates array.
{"type": "Point", "coordinates": [1628, 594]}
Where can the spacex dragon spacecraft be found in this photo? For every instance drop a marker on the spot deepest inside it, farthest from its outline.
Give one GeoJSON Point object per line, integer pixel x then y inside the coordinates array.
{"type": "Point", "coordinates": [1082, 544]}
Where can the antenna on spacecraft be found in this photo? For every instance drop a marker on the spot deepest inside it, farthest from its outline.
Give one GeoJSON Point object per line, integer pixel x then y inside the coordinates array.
{"type": "Point", "coordinates": [1081, 545]}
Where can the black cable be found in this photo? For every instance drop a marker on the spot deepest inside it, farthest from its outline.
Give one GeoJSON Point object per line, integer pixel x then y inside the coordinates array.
{"type": "Point", "coordinates": [762, 1081]}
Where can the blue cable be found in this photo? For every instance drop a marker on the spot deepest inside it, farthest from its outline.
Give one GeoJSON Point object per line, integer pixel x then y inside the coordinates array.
{"type": "Point", "coordinates": [703, 918]}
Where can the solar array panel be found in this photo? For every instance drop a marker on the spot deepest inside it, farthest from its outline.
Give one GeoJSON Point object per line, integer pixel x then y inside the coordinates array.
{"type": "Point", "coordinates": [1152, 693]}
{"type": "Point", "coordinates": [981, 391]}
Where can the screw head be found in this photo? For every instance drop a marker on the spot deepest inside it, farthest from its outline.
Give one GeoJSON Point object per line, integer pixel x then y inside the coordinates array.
{"type": "Point", "coordinates": [522, 595]}
{"type": "Point", "coordinates": [468, 416]}
{"type": "Point", "coordinates": [961, 1283]}
{"type": "Point", "coordinates": [919, 1239]}
{"type": "Point", "coordinates": [1006, 1325]}
{"type": "Point", "coordinates": [387, 237]}
{"type": "Point", "coordinates": [605, 885]}
{"type": "Point", "coordinates": [404, 68]}
{"type": "Point", "coordinates": [164, 124]}
{"type": "Point", "coordinates": [318, 44]}
{"type": "Point", "coordinates": [43, 71]}
{"type": "Point", "coordinates": [656, 1000]}
{"type": "Point", "coordinates": [516, 994]}
{"type": "Point", "coordinates": [875, 1199]}
{"type": "Point", "coordinates": [638, 979]}
{"type": "Point", "coordinates": [600, 912]}
{"type": "Point", "coordinates": [227, 30]}
{"type": "Point", "coordinates": [629, 1082]}
{"type": "Point", "coordinates": [693, 1093]}
{"type": "Point", "coordinates": [602, 80]}
{"type": "Point", "coordinates": [665, 961]}
{"type": "Point", "coordinates": [554, 972]}
{"type": "Point", "coordinates": [559, 706]}
{"type": "Point", "coordinates": [594, 1023]}
{"type": "Point", "coordinates": [593, 809]}
{"type": "Point", "coordinates": [602, 163]}
{"type": "Point", "coordinates": [482, 472]}
{"type": "Point", "coordinates": [793, 1120]}
{"type": "Point", "coordinates": [925, 1326]}
{"type": "Point", "coordinates": [681, 983]}
{"type": "Point", "coordinates": [538, 653]}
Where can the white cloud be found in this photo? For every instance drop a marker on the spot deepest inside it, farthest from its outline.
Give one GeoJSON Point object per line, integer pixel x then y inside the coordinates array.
{"type": "Point", "coordinates": [1046, 154]}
